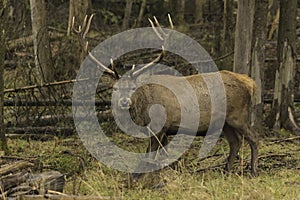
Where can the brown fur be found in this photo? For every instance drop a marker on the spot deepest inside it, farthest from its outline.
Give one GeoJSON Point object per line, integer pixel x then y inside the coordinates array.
{"type": "Point", "coordinates": [239, 90]}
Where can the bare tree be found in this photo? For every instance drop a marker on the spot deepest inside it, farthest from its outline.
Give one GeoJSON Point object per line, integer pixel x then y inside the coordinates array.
{"type": "Point", "coordinates": [273, 18]}
{"type": "Point", "coordinates": [258, 60]}
{"type": "Point", "coordinates": [141, 13]}
{"type": "Point", "coordinates": [199, 11]}
{"type": "Point", "coordinates": [127, 14]}
{"type": "Point", "coordinates": [243, 36]}
{"type": "Point", "coordinates": [180, 11]}
{"type": "Point", "coordinates": [3, 18]}
{"type": "Point", "coordinates": [228, 22]}
{"type": "Point", "coordinates": [286, 55]}
{"type": "Point", "coordinates": [42, 50]}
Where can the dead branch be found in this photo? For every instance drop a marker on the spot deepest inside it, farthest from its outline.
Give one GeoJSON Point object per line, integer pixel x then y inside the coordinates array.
{"type": "Point", "coordinates": [15, 158]}
{"type": "Point", "coordinates": [45, 85]}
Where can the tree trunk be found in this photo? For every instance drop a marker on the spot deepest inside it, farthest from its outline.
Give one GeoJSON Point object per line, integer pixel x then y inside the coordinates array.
{"type": "Point", "coordinates": [79, 10]}
{"type": "Point", "coordinates": [199, 11]}
{"type": "Point", "coordinates": [180, 11]}
{"type": "Point", "coordinates": [42, 50]}
{"type": "Point", "coordinates": [217, 17]}
{"type": "Point", "coordinates": [286, 56]}
{"type": "Point", "coordinates": [228, 21]}
{"type": "Point", "coordinates": [258, 61]}
{"type": "Point", "coordinates": [127, 14]}
{"type": "Point", "coordinates": [273, 18]}
{"type": "Point", "coordinates": [3, 18]}
{"type": "Point", "coordinates": [243, 36]}
{"type": "Point", "coordinates": [141, 13]}
{"type": "Point", "coordinates": [227, 43]}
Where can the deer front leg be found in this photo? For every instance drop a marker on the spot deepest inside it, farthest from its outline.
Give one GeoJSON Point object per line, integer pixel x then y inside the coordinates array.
{"type": "Point", "coordinates": [149, 163]}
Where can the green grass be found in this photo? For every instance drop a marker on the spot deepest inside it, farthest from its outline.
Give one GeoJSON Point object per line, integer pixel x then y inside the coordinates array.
{"type": "Point", "coordinates": [279, 172]}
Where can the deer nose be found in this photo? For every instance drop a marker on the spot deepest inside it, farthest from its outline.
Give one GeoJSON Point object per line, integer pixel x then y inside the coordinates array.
{"type": "Point", "coordinates": [124, 103]}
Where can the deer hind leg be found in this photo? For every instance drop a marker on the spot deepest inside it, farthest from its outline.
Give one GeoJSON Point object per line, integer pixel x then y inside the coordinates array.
{"type": "Point", "coordinates": [252, 139]}
{"type": "Point", "coordinates": [234, 139]}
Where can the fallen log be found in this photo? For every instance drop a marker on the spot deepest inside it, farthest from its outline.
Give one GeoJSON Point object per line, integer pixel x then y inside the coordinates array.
{"type": "Point", "coordinates": [10, 181]}
{"type": "Point", "coordinates": [53, 103]}
{"type": "Point", "coordinates": [49, 120]}
{"type": "Point", "coordinates": [28, 41]}
{"type": "Point", "coordinates": [52, 180]}
{"type": "Point", "coordinates": [37, 137]}
{"type": "Point", "coordinates": [61, 197]}
{"type": "Point", "coordinates": [15, 167]}
{"type": "Point", "coordinates": [52, 130]}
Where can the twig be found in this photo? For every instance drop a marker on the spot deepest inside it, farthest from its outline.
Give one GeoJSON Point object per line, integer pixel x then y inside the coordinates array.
{"type": "Point", "coordinates": [211, 167]}
{"type": "Point", "coordinates": [274, 155]}
{"type": "Point", "coordinates": [285, 140]}
{"type": "Point", "coordinates": [45, 85]}
{"type": "Point", "coordinates": [224, 56]}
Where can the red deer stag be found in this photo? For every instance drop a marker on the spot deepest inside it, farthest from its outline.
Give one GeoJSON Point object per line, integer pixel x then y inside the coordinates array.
{"type": "Point", "coordinates": [137, 101]}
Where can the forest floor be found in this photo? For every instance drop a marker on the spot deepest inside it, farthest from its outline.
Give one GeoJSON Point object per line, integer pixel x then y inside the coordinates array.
{"type": "Point", "coordinates": [189, 178]}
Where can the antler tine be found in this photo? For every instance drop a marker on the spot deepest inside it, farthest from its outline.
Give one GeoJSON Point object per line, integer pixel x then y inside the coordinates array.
{"type": "Point", "coordinates": [158, 25]}
{"type": "Point", "coordinates": [103, 67]}
{"type": "Point", "coordinates": [88, 25]}
{"type": "Point", "coordinates": [73, 26]}
{"type": "Point", "coordinates": [155, 30]}
{"type": "Point", "coordinates": [137, 72]}
{"type": "Point", "coordinates": [162, 36]}
{"type": "Point", "coordinates": [84, 22]}
{"type": "Point", "coordinates": [112, 64]}
{"type": "Point", "coordinates": [170, 21]}
{"type": "Point", "coordinates": [82, 32]}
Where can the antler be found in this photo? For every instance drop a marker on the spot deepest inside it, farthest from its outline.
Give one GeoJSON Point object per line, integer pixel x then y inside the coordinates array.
{"type": "Point", "coordinates": [82, 32]}
{"type": "Point", "coordinates": [162, 35]}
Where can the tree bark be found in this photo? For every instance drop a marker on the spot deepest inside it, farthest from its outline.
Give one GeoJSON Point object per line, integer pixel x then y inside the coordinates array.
{"type": "Point", "coordinates": [258, 61]}
{"type": "Point", "coordinates": [285, 72]}
{"type": "Point", "coordinates": [42, 50]}
{"type": "Point", "coordinates": [243, 36]}
{"type": "Point", "coordinates": [3, 18]}
{"type": "Point", "coordinates": [127, 14]}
